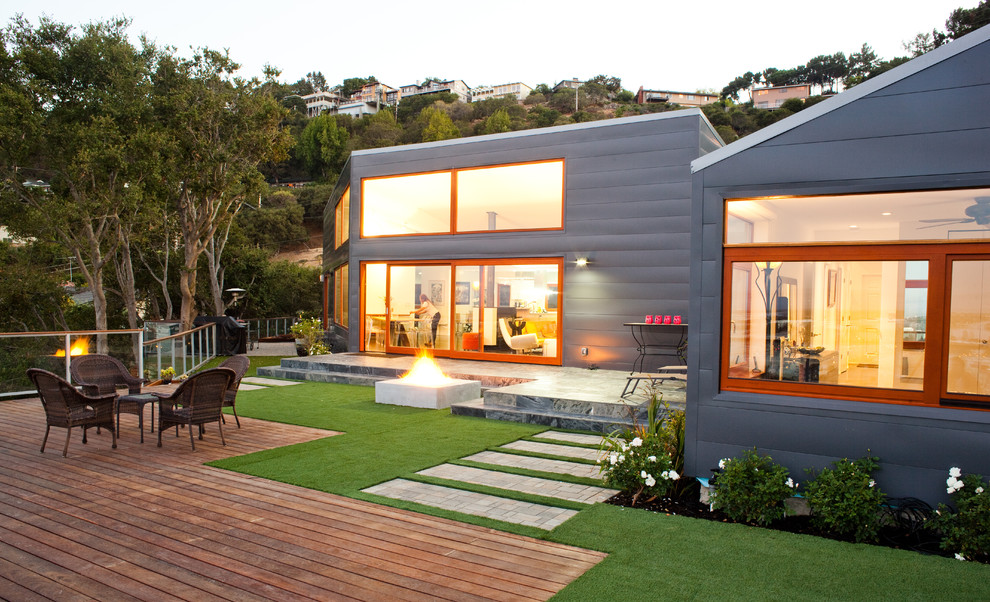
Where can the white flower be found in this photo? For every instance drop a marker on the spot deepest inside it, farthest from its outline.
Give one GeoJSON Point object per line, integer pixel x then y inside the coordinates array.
{"type": "Point", "coordinates": [636, 442]}
{"type": "Point", "coordinates": [951, 481]}
{"type": "Point", "coordinates": [652, 458]}
{"type": "Point", "coordinates": [673, 476]}
{"type": "Point", "coordinates": [625, 447]}
{"type": "Point", "coordinates": [960, 557]}
{"type": "Point", "coordinates": [955, 472]}
{"type": "Point", "coordinates": [790, 482]}
{"type": "Point", "coordinates": [650, 481]}
{"type": "Point", "coordinates": [872, 483]}
{"type": "Point", "coordinates": [621, 458]}
{"type": "Point", "coordinates": [722, 463]}
{"type": "Point", "coordinates": [613, 458]}
{"type": "Point", "coordinates": [950, 490]}
{"type": "Point", "coordinates": [979, 490]}
{"type": "Point", "coordinates": [643, 474]}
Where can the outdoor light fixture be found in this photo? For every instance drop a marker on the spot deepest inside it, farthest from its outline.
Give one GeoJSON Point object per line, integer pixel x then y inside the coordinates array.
{"type": "Point", "coordinates": [581, 262]}
{"type": "Point", "coordinates": [237, 293]}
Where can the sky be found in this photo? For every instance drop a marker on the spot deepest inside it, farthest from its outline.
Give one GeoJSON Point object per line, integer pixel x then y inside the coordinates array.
{"type": "Point", "coordinates": [657, 45]}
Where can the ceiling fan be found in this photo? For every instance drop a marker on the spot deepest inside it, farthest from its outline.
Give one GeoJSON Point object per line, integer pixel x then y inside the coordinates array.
{"type": "Point", "coordinates": [979, 213]}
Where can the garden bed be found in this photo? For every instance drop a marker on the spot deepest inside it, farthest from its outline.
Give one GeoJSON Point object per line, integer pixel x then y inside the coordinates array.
{"type": "Point", "coordinates": [917, 540]}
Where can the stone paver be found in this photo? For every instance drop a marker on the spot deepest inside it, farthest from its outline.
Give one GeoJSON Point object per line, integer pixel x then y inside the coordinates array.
{"type": "Point", "coordinates": [571, 437]}
{"type": "Point", "coordinates": [248, 387]}
{"type": "Point", "coordinates": [586, 494]}
{"type": "Point", "coordinates": [541, 464]}
{"type": "Point", "coordinates": [268, 382]}
{"type": "Point", "coordinates": [457, 500]}
{"type": "Point", "coordinates": [551, 449]}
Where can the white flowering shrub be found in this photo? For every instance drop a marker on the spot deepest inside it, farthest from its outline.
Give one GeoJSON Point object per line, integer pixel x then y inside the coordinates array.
{"type": "Point", "coordinates": [751, 489]}
{"type": "Point", "coordinates": [845, 499]}
{"type": "Point", "coordinates": [640, 466]}
{"type": "Point", "coordinates": [967, 530]}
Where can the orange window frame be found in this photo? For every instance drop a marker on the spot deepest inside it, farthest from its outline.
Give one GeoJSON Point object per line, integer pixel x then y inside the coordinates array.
{"type": "Point", "coordinates": [939, 257]}
{"type": "Point", "coordinates": [452, 229]}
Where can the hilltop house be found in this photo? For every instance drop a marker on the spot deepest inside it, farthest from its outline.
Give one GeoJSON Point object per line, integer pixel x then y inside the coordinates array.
{"type": "Point", "coordinates": [840, 281]}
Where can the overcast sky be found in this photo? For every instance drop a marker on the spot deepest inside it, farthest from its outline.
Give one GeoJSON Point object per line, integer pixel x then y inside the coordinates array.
{"type": "Point", "coordinates": [658, 45]}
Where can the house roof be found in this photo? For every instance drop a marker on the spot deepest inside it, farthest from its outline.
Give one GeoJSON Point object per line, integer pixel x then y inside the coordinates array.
{"type": "Point", "coordinates": [547, 130]}
{"type": "Point", "coordinates": [840, 100]}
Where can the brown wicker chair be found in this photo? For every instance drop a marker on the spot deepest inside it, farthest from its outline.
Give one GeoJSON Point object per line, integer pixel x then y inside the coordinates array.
{"type": "Point", "coordinates": [239, 364]}
{"type": "Point", "coordinates": [65, 407]}
{"type": "Point", "coordinates": [198, 400]}
{"type": "Point", "coordinates": [102, 374]}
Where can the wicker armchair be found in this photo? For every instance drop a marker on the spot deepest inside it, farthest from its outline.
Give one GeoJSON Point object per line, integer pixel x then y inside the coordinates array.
{"type": "Point", "coordinates": [198, 400]}
{"type": "Point", "coordinates": [65, 407]}
{"type": "Point", "coordinates": [102, 374]}
{"type": "Point", "coordinates": [239, 364]}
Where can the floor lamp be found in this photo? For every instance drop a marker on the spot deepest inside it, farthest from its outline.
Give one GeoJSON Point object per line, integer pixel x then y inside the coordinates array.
{"type": "Point", "coordinates": [765, 273]}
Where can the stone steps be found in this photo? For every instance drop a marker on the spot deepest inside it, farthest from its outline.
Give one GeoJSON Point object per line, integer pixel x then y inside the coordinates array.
{"type": "Point", "coordinates": [508, 509]}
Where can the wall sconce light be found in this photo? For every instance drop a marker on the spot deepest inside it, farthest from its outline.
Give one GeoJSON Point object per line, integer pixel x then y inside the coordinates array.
{"type": "Point", "coordinates": [581, 262]}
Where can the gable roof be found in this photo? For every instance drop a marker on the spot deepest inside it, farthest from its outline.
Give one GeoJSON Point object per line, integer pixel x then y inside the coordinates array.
{"type": "Point", "coordinates": [864, 89]}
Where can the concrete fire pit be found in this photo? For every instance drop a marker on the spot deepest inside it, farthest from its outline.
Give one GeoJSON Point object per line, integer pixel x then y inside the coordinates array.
{"type": "Point", "coordinates": [402, 392]}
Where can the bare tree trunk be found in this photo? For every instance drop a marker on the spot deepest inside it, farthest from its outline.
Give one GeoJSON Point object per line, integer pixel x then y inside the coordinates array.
{"type": "Point", "coordinates": [213, 253]}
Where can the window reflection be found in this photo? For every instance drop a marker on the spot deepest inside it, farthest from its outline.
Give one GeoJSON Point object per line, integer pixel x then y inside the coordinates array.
{"type": "Point", "coordinates": [854, 323]}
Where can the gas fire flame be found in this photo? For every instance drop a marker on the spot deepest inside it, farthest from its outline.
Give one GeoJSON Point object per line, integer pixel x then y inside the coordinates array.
{"type": "Point", "coordinates": [425, 371]}
{"type": "Point", "coordinates": [80, 347]}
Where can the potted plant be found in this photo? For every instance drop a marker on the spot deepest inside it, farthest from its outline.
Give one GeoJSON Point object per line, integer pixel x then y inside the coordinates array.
{"type": "Point", "coordinates": [167, 374]}
{"type": "Point", "coordinates": [309, 337]}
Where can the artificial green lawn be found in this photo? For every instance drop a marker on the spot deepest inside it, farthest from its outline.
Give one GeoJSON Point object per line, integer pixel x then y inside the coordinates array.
{"type": "Point", "coordinates": [652, 556]}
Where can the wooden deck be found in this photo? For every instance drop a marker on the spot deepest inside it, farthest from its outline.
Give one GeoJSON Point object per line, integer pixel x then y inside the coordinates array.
{"type": "Point", "coordinates": [148, 523]}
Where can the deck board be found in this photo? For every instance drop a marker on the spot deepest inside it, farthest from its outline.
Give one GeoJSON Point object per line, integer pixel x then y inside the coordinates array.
{"type": "Point", "coordinates": [148, 523]}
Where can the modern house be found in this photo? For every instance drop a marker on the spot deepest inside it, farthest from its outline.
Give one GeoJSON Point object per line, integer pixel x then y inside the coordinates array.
{"type": "Point", "coordinates": [456, 87]}
{"type": "Point", "coordinates": [568, 84]}
{"type": "Point", "coordinates": [536, 246]}
{"type": "Point", "coordinates": [375, 93]}
{"type": "Point", "coordinates": [319, 102]}
{"type": "Point", "coordinates": [840, 281]}
{"type": "Point", "coordinates": [685, 99]}
{"type": "Point", "coordinates": [772, 98]}
{"type": "Point", "coordinates": [517, 89]}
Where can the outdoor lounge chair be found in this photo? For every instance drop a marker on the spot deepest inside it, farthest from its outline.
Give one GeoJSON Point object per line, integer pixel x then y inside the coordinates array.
{"type": "Point", "coordinates": [519, 343]}
{"type": "Point", "coordinates": [239, 364]}
{"type": "Point", "coordinates": [66, 407]}
{"type": "Point", "coordinates": [100, 374]}
{"type": "Point", "coordinates": [198, 400]}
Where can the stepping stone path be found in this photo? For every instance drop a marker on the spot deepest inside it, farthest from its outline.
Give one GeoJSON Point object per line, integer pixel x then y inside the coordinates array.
{"type": "Point", "coordinates": [507, 509]}
{"type": "Point", "coordinates": [253, 383]}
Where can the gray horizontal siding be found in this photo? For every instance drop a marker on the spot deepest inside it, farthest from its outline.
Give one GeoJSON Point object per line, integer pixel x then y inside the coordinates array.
{"type": "Point", "coordinates": [927, 130]}
{"type": "Point", "coordinates": [627, 208]}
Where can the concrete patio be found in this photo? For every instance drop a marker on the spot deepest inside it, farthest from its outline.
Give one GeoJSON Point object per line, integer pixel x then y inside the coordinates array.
{"type": "Point", "coordinates": [555, 396]}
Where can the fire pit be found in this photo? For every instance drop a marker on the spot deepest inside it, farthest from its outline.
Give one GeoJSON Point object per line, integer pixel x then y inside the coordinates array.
{"type": "Point", "coordinates": [426, 386]}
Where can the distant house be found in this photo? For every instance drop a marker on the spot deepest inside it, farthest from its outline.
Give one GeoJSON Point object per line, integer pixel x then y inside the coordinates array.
{"type": "Point", "coordinates": [840, 281]}
{"type": "Point", "coordinates": [518, 89]}
{"type": "Point", "coordinates": [568, 84]}
{"type": "Point", "coordinates": [457, 87]}
{"type": "Point", "coordinates": [772, 98]}
{"type": "Point", "coordinates": [357, 108]}
{"type": "Point", "coordinates": [320, 102]}
{"type": "Point", "coordinates": [375, 93]}
{"type": "Point", "coordinates": [685, 99]}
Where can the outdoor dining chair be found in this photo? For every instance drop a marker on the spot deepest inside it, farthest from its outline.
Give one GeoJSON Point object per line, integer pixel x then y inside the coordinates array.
{"type": "Point", "coordinates": [65, 407]}
{"type": "Point", "coordinates": [100, 374]}
{"type": "Point", "coordinates": [239, 364]}
{"type": "Point", "coordinates": [197, 401]}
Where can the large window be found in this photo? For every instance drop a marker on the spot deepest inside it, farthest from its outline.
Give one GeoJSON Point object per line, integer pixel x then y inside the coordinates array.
{"type": "Point", "coordinates": [810, 309]}
{"type": "Point", "coordinates": [528, 196]}
{"type": "Point", "coordinates": [342, 216]}
{"type": "Point", "coordinates": [340, 289]}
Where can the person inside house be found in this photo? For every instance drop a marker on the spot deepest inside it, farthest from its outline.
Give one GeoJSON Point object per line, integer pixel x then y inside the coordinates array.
{"type": "Point", "coordinates": [429, 315]}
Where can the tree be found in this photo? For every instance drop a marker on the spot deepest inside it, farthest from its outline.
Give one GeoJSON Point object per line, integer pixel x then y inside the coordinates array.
{"type": "Point", "coordinates": [496, 123]}
{"type": "Point", "coordinates": [965, 20]}
{"type": "Point", "coordinates": [316, 81]}
{"type": "Point", "coordinates": [862, 65]}
{"type": "Point", "coordinates": [377, 131]}
{"type": "Point", "coordinates": [737, 85]}
{"type": "Point", "coordinates": [323, 147]}
{"type": "Point", "coordinates": [610, 83]}
{"type": "Point", "coordinates": [353, 84]}
{"type": "Point", "coordinates": [824, 70]}
{"type": "Point", "coordinates": [75, 113]}
{"type": "Point", "coordinates": [219, 128]}
{"type": "Point", "coordinates": [438, 125]}
{"type": "Point", "coordinates": [543, 89]}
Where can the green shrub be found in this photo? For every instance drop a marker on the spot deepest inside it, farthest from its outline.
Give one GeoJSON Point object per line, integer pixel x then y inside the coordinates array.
{"type": "Point", "coordinates": [751, 489]}
{"type": "Point", "coordinates": [845, 499]}
{"type": "Point", "coordinates": [640, 460]}
{"type": "Point", "coordinates": [311, 332]}
{"type": "Point", "coordinates": [967, 530]}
